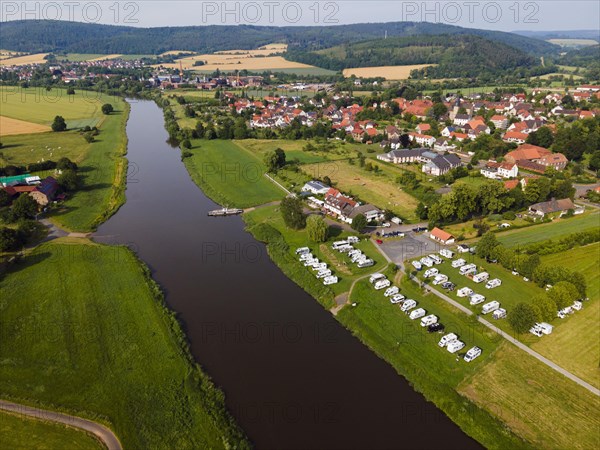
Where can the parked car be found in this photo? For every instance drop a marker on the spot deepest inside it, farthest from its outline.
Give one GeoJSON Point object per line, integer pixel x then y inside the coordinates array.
{"type": "Point", "coordinates": [448, 285]}
{"type": "Point", "coordinates": [417, 314]}
{"type": "Point", "coordinates": [577, 305]}
{"type": "Point", "coordinates": [472, 353]}
{"type": "Point", "coordinates": [386, 224]}
{"type": "Point", "coordinates": [514, 272]}
{"type": "Point", "coordinates": [447, 338]}
{"type": "Point", "coordinates": [379, 241]}
{"type": "Point", "coordinates": [391, 291]}
{"type": "Point", "coordinates": [455, 346]}
{"type": "Point", "coordinates": [435, 328]}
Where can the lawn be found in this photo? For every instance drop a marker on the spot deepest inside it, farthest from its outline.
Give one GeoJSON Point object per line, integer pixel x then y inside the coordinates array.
{"type": "Point", "coordinates": [22, 433]}
{"type": "Point", "coordinates": [85, 332]}
{"type": "Point", "coordinates": [379, 189]}
{"type": "Point", "coordinates": [101, 165]}
{"type": "Point", "coordinates": [230, 175]}
{"type": "Point", "coordinates": [40, 106]}
{"type": "Point", "coordinates": [541, 232]}
{"type": "Point", "coordinates": [535, 401]}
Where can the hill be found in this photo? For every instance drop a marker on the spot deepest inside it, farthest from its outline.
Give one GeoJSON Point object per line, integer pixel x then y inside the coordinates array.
{"type": "Point", "coordinates": [75, 37]}
{"type": "Point", "coordinates": [588, 57]}
{"type": "Point", "coordinates": [455, 56]}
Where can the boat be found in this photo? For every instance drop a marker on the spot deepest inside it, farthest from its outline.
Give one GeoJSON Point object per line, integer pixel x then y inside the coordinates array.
{"type": "Point", "coordinates": [226, 212]}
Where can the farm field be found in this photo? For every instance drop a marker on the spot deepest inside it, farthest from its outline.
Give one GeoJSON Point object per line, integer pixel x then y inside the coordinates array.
{"type": "Point", "coordinates": [378, 189]}
{"type": "Point", "coordinates": [22, 433]}
{"type": "Point", "coordinates": [293, 150]}
{"type": "Point", "coordinates": [40, 106]}
{"type": "Point", "coordinates": [9, 127]}
{"type": "Point", "coordinates": [535, 401]}
{"type": "Point", "coordinates": [112, 352]}
{"type": "Point", "coordinates": [387, 72]}
{"type": "Point", "coordinates": [75, 57]}
{"type": "Point", "coordinates": [230, 175]}
{"type": "Point", "coordinates": [37, 58]}
{"type": "Point", "coordinates": [541, 232]}
{"type": "Point", "coordinates": [573, 42]}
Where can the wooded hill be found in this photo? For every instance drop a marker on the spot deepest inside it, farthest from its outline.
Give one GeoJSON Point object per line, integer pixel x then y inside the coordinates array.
{"type": "Point", "coordinates": [75, 37]}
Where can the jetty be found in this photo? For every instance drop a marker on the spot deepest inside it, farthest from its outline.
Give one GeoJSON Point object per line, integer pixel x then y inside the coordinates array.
{"type": "Point", "coordinates": [225, 212]}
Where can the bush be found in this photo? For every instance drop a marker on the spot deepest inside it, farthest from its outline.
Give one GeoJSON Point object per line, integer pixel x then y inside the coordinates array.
{"type": "Point", "coordinates": [509, 215]}
{"type": "Point", "coordinates": [107, 108]}
{"type": "Point", "coordinates": [59, 124]}
{"type": "Point", "coordinates": [9, 239]}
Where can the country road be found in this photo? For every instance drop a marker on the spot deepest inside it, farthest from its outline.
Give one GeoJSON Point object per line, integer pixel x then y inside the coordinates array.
{"type": "Point", "coordinates": [106, 436]}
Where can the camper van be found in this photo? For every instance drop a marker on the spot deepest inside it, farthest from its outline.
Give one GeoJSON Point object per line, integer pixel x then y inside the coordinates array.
{"type": "Point", "coordinates": [458, 263]}
{"type": "Point", "coordinates": [302, 250]}
{"type": "Point", "coordinates": [381, 284]}
{"type": "Point", "coordinates": [431, 272]}
{"type": "Point", "coordinates": [417, 265]}
{"type": "Point", "coordinates": [500, 313]}
{"type": "Point", "coordinates": [447, 253]}
{"type": "Point", "coordinates": [435, 258]}
{"type": "Point", "coordinates": [417, 314]}
{"type": "Point", "coordinates": [352, 239]}
{"type": "Point", "coordinates": [311, 262]}
{"type": "Point", "coordinates": [464, 292]}
{"type": "Point", "coordinates": [338, 244]}
{"type": "Point", "coordinates": [447, 338]}
{"type": "Point", "coordinates": [305, 256]}
{"type": "Point", "coordinates": [365, 263]}
{"type": "Point", "coordinates": [439, 279]}
{"type": "Point", "coordinates": [330, 280]}
{"type": "Point", "coordinates": [324, 273]}
{"type": "Point", "coordinates": [493, 283]}
{"type": "Point", "coordinates": [408, 305]}
{"type": "Point", "coordinates": [426, 261]}
{"type": "Point", "coordinates": [476, 299]}
{"type": "Point", "coordinates": [398, 298]}
{"type": "Point", "coordinates": [489, 307]}
{"type": "Point", "coordinates": [455, 346]}
{"type": "Point", "coordinates": [429, 320]}
{"type": "Point", "coordinates": [375, 277]}
{"type": "Point", "coordinates": [319, 266]}
{"type": "Point", "coordinates": [345, 248]}
{"type": "Point", "coordinates": [391, 291]}
{"type": "Point", "coordinates": [546, 328]}
{"type": "Point", "coordinates": [462, 248]}
{"type": "Point", "coordinates": [473, 353]}
{"type": "Point", "coordinates": [480, 277]}
{"type": "Point", "coordinates": [469, 268]}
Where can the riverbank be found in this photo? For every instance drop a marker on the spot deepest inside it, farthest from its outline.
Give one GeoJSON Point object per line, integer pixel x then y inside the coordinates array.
{"type": "Point", "coordinates": [112, 352]}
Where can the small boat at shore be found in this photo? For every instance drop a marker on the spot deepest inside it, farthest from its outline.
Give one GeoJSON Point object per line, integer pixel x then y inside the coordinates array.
{"type": "Point", "coordinates": [226, 212]}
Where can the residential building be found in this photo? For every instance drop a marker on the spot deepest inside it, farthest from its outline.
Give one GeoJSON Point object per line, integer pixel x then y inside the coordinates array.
{"type": "Point", "coordinates": [315, 187]}
{"type": "Point", "coordinates": [45, 192]}
{"type": "Point", "coordinates": [439, 235]}
{"type": "Point", "coordinates": [551, 206]}
{"type": "Point", "coordinates": [441, 164]}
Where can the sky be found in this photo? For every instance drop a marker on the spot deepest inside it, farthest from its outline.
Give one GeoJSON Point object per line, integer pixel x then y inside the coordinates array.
{"type": "Point", "coordinates": [501, 15]}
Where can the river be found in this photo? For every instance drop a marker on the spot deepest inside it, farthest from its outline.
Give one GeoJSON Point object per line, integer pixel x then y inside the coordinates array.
{"type": "Point", "coordinates": [292, 375]}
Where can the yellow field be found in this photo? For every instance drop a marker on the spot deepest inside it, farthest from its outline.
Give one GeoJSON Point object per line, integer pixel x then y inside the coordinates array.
{"type": "Point", "coordinates": [37, 58]}
{"type": "Point", "coordinates": [387, 72]}
{"type": "Point", "coordinates": [10, 127]}
{"type": "Point", "coordinates": [103, 57]}
{"type": "Point", "coordinates": [5, 54]}
{"type": "Point", "coordinates": [175, 52]}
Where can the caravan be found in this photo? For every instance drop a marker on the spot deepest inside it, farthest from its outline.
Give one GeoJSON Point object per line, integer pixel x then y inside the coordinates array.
{"type": "Point", "coordinates": [468, 269]}
{"type": "Point", "coordinates": [464, 292]}
{"type": "Point", "coordinates": [339, 244]}
{"type": "Point", "coordinates": [435, 258]}
{"type": "Point", "coordinates": [352, 239]}
{"type": "Point", "coordinates": [429, 320]}
{"type": "Point", "coordinates": [447, 253]}
{"type": "Point", "coordinates": [431, 272]}
{"type": "Point", "coordinates": [476, 299]}
{"type": "Point", "coordinates": [473, 353]}
{"type": "Point", "coordinates": [365, 263]}
{"type": "Point", "coordinates": [489, 307]}
{"type": "Point", "coordinates": [439, 279]}
{"type": "Point", "coordinates": [375, 277]}
{"type": "Point", "coordinates": [391, 291]}
{"type": "Point", "coordinates": [458, 263]}
{"type": "Point", "coordinates": [408, 305]}
{"type": "Point", "coordinates": [455, 346]}
{"type": "Point", "coordinates": [381, 284]}
{"type": "Point", "coordinates": [398, 298]}
{"type": "Point", "coordinates": [427, 261]}
{"type": "Point", "coordinates": [324, 273]}
{"type": "Point", "coordinates": [493, 283]}
{"type": "Point", "coordinates": [302, 250]}
{"type": "Point", "coordinates": [483, 276]}
{"type": "Point", "coordinates": [330, 280]}
{"type": "Point", "coordinates": [417, 314]}
{"type": "Point", "coordinates": [447, 338]}
{"type": "Point", "coordinates": [417, 265]}
{"type": "Point", "coordinates": [499, 314]}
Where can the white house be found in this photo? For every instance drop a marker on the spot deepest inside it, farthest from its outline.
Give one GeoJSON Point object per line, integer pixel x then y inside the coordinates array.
{"type": "Point", "coordinates": [315, 187]}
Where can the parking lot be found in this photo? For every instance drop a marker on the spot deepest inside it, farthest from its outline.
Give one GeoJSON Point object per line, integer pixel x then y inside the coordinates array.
{"type": "Point", "coordinates": [412, 245]}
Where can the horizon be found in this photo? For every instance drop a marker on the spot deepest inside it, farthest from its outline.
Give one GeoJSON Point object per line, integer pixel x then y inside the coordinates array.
{"type": "Point", "coordinates": [513, 17]}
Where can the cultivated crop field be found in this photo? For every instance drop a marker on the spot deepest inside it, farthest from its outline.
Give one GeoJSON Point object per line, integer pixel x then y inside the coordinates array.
{"type": "Point", "coordinates": [22, 433]}
{"type": "Point", "coordinates": [37, 58]}
{"type": "Point", "coordinates": [86, 333]}
{"type": "Point", "coordinates": [9, 126]}
{"type": "Point", "coordinates": [573, 42]}
{"type": "Point", "coordinates": [387, 72]}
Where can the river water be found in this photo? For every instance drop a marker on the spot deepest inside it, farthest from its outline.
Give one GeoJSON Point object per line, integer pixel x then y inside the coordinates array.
{"type": "Point", "coordinates": [292, 375]}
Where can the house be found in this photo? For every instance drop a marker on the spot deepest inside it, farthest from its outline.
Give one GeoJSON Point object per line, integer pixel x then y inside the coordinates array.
{"type": "Point", "coordinates": [369, 211]}
{"type": "Point", "coordinates": [556, 160]}
{"type": "Point", "coordinates": [423, 128]}
{"type": "Point", "coordinates": [508, 170]}
{"type": "Point", "coordinates": [514, 136]}
{"type": "Point", "coordinates": [338, 204]}
{"type": "Point", "coordinates": [441, 236]}
{"type": "Point", "coordinates": [490, 170]}
{"type": "Point", "coordinates": [551, 206]}
{"type": "Point", "coordinates": [536, 159]}
{"type": "Point", "coordinates": [421, 139]}
{"type": "Point", "coordinates": [45, 192]}
{"type": "Point", "coordinates": [404, 156]}
{"type": "Point", "coordinates": [459, 136]}
{"type": "Point", "coordinates": [442, 164]}
{"type": "Point", "coordinates": [461, 119]}
{"type": "Point", "coordinates": [526, 152]}
{"type": "Point", "coordinates": [444, 145]}
{"type": "Point", "coordinates": [499, 121]}
{"type": "Point", "coordinates": [315, 187]}
{"type": "Point", "coordinates": [392, 132]}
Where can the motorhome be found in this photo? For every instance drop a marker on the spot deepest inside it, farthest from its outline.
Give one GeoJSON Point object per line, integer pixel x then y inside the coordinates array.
{"type": "Point", "coordinates": [447, 338]}
{"type": "Point", "coordinates": [431, 272]}
{"type": "Point", "coordinates": [472, 353]}
{"type": "Point", "coordinates": [464, 292]}
{"type": "Point", "coordinates": [476, 299]}
{"type": "Point", "coordinates": [469, 268]}
{"type": "Point", "coordinates": [546, 328]}
{"type": "Point", "coordinates": [324, 273]}
{"type": "Point", "coordinates": [426, 261]}
{"type": "Point", "coordinates": [429, 320]}
{"type": "Point", "coordinates": [311, 262]}
{"type": "Point", "coordinates": [480, 277]}
{"type": "Point", "coordinates": [330, 280]}
{"type": "Point", "coordinates": [500, 313]}
{"type": "Point", "coordinates": [391, 291]}
{"type": "Point", "coordinates": [458, 263]}
{"type": "Point", "coordinates": [417, 314]}
{"type": "Point", "coordinates": [375, 277]}
{"type": "Point", "coordinates": [577, 305]}
{"type": "Point", "coordinates": [417, 265]}
{"type": "Point", "coordinates": [447, 253]}
{"type": "Point", "coordinates": [493, 283]}
{"type": "Point", "coordinates": [398, 298]}
{"type": "Point", "coordinates": [353, 239]}
{"type": "Point", "coordinates": [455, 346]}
{"type": "Point", "coordinates": [489, 307]}
{"type": "Point", "coordinates": [365, 263]}
{"type": "Point", "coordinates": [536, 330]}
{"type": "Point", "coordinates": [436, 259]}
{"type": "Point", "coordinates": [319, 266]}
{"type": "Point", "coordinates": [345, 248]}
{"type": "Point", "coordinates": [441, 278]}
{"type": "Point", "coordinates": [305, 256]}
{"type": "Point", "coordinates": [381, 284]}
{"type": "Point", "coordinates": [336, 245]}
{"type": "Point", "coordinates": [302, 250]}
{"type": "Point", "coordinates": [408, 305]}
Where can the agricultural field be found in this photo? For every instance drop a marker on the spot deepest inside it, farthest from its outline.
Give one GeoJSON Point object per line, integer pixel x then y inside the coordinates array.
{"type": "Point", "coordinates": [378, 189]}
{"type": "Point", "coordinates": [77, 57]}
{"type": "Point", "coordinates": [230, 174]}
{"type": "Point", "coordinates": [542, 232]}
{"type": "Point", "coordinates": [387, 72]}
{"type": "Point", "coordinates": [535, 401]}
{"type": "Point", "coordinates": [5, 54]}
{"type": "Point", "coordinates": [573, 42]}
{"type": "Point", "coordinates": [110, 351]}
{"type": "Point", "coordinates": [37, 58]}
{"type": "Point", "coordinates": [22, 433]}
{"type": "Point", "coordinates": [9, 127]}
{"type": "Point", "coordinates": [293, 150]}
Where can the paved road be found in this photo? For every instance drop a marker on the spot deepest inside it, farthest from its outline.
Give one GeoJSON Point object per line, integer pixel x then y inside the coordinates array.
{"type": "Point", "coordinates": [106, 436]}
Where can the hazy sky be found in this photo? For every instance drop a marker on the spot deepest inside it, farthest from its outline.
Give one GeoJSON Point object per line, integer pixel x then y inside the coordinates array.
{"type": "Point", "coordinates": [499, 15]}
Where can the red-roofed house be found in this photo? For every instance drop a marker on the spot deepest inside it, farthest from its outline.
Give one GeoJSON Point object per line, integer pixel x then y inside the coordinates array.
{"type": "Point", "coordinates": [514, 136]}
{"type": "Point", "coordinates": [442, 236]}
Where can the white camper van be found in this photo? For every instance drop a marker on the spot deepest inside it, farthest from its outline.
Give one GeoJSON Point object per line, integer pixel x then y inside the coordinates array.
{"type": "Point", "coordinates": [447, 338]}
{"type": "Point", "coordinates": [375, 277]}
{"type": "Point", "coordinates": [338, 244]}
{"type": "Point", "coordinates": [417, 314]}
{"type": "Point", "coordinates": [381, 284]}
{"type": "Point", "coordinates": [365, 263]}
{"type": "Point", "coordinates": [493, 283]}
{"type": "Point", "coordinates": [429, 320]}
{"type": "Point", "coordinates": [500, 313]}
{"type": "Point", "coordinates": [464, 292]}
{"type": "Point", "coordinates": [458, 263]}
{"type": "Point", "coordinates": [417, 265]}
{"type": "Point", "coordinates": [447, 253]}
{"type": "Point", "coordinates": [408, 305]}
{"type": "Point", "coordinates": [426, 261]}
{"type": "Point", "coordinates": [435, 258]}
{"type": "Point", "coordinates": [476, 299]}
{"type": "Point", "coordinates": [302, 250]}
{"type": "Point", "coordinates": [483, 276]}
{"type": "Point", "coordinates": [431, 272]}
{"type": "Point", "coordinates": [330, 280]}
{"type": "Point", "coordinates": [391, 291]}
{"type": "Point", "coordinates": [439, 279]}
{"type": "Point", "coordinates": [489, 307]}
{"type": "Point", "coordinates": [455, 346]}
{"type": "Point", "coordinates": [352, 239]}
{"type": "Point", "coordinates": [473, 353]}
{"type": "Point", "coordinates": [469, 268]}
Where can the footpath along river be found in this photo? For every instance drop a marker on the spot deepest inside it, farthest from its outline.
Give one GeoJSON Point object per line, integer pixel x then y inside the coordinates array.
{"type": "Point", "coordinates": [292, 375]}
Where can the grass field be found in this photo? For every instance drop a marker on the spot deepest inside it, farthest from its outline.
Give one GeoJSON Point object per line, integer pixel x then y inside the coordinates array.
{"type": "Point", "coordinates": [541, 232]}
{"type": "Point", "coordinates": [378, 189]}
{"type": "Point", "coordinates": [535, 401]}
{"type": "Point", "coordinates": [387, 72]}
{"type": "Point", "coordinates": [573, 42]}
{"type": "Point", "coordinates": [230, 175]}
{"type": "Point", "coordinates": [76, 57]}
{"type": "Point", "coordinates": [40, 106]}
{"type": "Point", "coordinates": [9, 127]}
{"type": "Point", "coordinates": [85, 332]}
{"type": "Point", "coordinates": [22, 433]}
{"type": "Point", "coordinates": [37, 58]}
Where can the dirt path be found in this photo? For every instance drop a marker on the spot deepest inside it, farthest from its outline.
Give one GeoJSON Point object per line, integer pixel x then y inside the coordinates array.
{"type": "Point", "coordinates": [106, 436]}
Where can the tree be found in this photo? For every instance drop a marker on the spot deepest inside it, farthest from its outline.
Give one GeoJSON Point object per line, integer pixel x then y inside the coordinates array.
{"type": "Point", "coordinates": [25, 207]}
{"type": "Point", "coordinates": [563, 294]}
{"type": "Point", "coordinates": [594, 162]}
{"type": "Point", "coordinates": [523, 317]}
{"type": "Point", "coordinates": [291, 211]}
{"type": "Point", "coordinates": [4, 198]}
{"type": "Point", "coordinates": [359, 222]}
{"type": "Point", "coordinates": [186, 144]}
{"type": "Point", "coordinates": [486, 245]}
{"type": "Point", "coordinates": [274, 159]}
{"type": "Point", "coordinates": [65, 163]}
{"type": "Point", "coordinates": [68, 180]}
{"type": "Point", "coordinates": [8, 239]}
{"type": "Point", "coordinates": [421, 211]}
{"type": "Point", "coordinates": [546, 307]}
{"type": "Point", "coordinates": [107, 108]}
{"type": "Point", "coordinates": [199, 130]}
{"type": "Point", "coordinates": [543, 137]}
{"type": "Point", "coordinates": [438, 110]}
{"type": "Point", "coordinates": [537, 190]}
{"type": "Point", "coordinates": [316, 228]}
{"type": "Point", "coordinates": [59, 124]}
